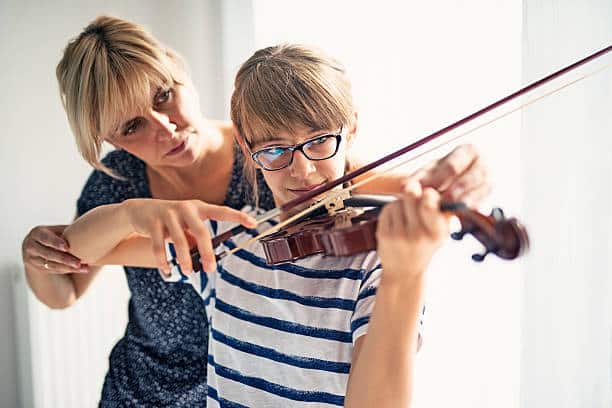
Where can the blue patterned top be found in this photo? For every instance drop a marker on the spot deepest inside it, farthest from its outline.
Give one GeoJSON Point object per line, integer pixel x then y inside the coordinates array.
{"type": "Point", "coordinates": [161, 359]}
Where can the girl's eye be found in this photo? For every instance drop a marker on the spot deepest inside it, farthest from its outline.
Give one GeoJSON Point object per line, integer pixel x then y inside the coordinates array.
{"type": "Point", "coordinates": [318, 141]}
{"type": "Point", "coordinates": [132, 127]}
{"type": "Point", "coordinates": [275, 151]}
{"type": "Point", "coordinates": [162, 97]}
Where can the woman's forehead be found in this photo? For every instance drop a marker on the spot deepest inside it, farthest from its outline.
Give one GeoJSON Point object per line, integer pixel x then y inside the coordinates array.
{"type": "Point", "coordinates": [129, 104]}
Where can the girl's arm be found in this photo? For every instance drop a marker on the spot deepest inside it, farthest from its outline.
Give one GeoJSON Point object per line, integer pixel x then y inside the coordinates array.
{"type": "Point", "coordinates": [409, 232]}
{"type": "Point", "coordinates": [458, 176]}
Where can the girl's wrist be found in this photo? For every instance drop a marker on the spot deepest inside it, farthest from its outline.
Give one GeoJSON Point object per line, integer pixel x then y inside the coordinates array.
{"type": "Point", "coordinates": [405, 279]}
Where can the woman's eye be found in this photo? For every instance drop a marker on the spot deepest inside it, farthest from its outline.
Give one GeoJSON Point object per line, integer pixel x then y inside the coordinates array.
{"type": "Point", "coordinates": [131, 127]}
{"type": "Point", "coordinates": [163, 97]}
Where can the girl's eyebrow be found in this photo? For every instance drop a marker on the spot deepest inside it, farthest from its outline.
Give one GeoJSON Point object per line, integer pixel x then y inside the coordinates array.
{"type": "Point", "coordinates": [277, 140]}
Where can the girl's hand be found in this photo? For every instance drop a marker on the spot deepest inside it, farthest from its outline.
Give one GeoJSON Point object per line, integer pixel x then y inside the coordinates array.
{"type": "Point", "coordinates": [45, 250]}
{"type": "Point", "coordinates": [410, 230]}
{"type": "Point", "coordinates": [181, 223]}
{"type": "Point", "coordinates": [461, 175]}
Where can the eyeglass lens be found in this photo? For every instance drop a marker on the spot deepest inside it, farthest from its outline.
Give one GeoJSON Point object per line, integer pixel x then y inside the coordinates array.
{"type": "Point", "coordinates": [317, 149]}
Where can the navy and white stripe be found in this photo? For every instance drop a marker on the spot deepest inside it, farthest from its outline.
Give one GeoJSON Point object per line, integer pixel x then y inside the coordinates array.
{"type": "Point", "coordinates": [283, 335]}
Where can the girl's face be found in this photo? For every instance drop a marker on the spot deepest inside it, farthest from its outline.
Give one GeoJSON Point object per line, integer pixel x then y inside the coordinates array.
{"type": "Point", "coordinates": [303, 174]}
{"type": "Point", "coordinates": [168, 134]}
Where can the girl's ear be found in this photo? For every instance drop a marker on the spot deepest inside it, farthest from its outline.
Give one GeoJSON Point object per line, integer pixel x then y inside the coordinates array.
{"type": "Point", "coordinates": [241, 141]}
{"type": "Point", "coordinates": [245, 149]}
{"type": "Point", "coordinates": [352, 129]}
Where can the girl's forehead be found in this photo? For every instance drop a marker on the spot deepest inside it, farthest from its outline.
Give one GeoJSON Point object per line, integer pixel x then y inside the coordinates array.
{"type": "Point", "coordinates": [289, 135]}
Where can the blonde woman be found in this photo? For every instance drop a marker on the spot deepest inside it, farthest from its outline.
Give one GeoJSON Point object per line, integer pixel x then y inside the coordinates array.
{"type": "Point", "coordinates": [121, 86]}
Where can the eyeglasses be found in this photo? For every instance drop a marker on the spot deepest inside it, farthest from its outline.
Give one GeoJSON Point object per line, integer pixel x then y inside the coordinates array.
{"type": "Point", "coordinates": [278, 157]}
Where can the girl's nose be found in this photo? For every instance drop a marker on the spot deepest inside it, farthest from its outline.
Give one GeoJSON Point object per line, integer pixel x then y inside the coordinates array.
{"type": "Point", "coordinates": [302, 166]}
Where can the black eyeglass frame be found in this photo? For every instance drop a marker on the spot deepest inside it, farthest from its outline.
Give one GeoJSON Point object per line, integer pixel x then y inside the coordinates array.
{"type": "Point", "coordinates": [299, 147]}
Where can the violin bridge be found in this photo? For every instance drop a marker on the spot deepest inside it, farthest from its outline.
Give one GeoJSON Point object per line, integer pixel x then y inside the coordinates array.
{"type": "Point", "coordinates": [336, 203]}
{"type": "Point", "coordinates": [344, 218]}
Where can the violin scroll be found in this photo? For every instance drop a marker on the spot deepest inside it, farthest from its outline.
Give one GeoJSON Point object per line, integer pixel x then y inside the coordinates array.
{"type": "Point", "coordinates": [505, 237]}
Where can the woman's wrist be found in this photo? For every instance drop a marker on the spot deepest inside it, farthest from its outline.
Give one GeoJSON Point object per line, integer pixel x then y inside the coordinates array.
{"type": "Point", "coordinates": [127, 209]}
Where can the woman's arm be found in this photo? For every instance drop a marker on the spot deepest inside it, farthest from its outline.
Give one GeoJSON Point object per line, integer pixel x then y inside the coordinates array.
{"type": "Point", "coordinates": [96, 233]}
{"type": "Point", "coordinates": [409, 232]}
{"type": "Point", "coordinates": [134, 232]}
{"type": "Point", "coordinates": [56, 277]}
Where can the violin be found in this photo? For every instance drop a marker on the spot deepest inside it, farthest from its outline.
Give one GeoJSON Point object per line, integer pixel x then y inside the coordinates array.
{"type": "Point", "coordinates": [345, 231]}
{"type": "Point", "coordinates": [350, 232]}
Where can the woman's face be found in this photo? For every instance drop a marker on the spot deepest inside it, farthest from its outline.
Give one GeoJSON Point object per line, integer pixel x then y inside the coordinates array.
{"type": "Point", "coordinates": [168, 134]}
{"type": "Point", "coordinates": [303, 174]}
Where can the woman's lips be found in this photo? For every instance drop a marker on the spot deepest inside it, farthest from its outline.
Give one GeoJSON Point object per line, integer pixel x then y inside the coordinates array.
{"type": "Point", "coordinates": [177, 149]}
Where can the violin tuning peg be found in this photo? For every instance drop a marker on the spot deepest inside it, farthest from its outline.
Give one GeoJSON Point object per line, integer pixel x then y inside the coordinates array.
{"type": "Point", "coordinates": [498, 214]}
{"type": "Point", "coordinates": [458, 236]}
{"type": "Point", "coordinates": [480, 257]}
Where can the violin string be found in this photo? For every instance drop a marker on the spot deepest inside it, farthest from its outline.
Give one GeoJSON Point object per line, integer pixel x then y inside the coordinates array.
{"type": "Point", "coordinates": [281, 224]}
{"type": "Point", "coordinates": [374, 176]}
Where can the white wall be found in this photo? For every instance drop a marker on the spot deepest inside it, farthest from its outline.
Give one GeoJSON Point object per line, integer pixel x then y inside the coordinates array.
{"type": "Point", "coordinates": [42, 174]}
{"type": "Point", "coordinates": [566, 147]}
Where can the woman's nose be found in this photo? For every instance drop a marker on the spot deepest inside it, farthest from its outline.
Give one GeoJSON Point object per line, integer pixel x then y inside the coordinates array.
{"type": "Point", "coordinates": [163, 125]}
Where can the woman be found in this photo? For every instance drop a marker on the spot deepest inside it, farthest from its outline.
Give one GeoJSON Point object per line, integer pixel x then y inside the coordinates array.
{"type": "Point", "coordinates": [119, 85]}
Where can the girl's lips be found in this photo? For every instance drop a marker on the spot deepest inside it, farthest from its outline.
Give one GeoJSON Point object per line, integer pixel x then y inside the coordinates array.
{"type": "Point", "coordinates": [306, 189]}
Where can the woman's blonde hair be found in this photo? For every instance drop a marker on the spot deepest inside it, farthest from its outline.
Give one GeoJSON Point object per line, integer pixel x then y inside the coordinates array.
{"type": "Point", "coordinates": [286, 86]}
{"type": "Point", "coordinates": [110, 69]}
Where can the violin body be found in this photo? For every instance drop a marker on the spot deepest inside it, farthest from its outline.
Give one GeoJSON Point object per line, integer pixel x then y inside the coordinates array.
{"type": "Point", "coordinates": [349, 232]}
{"type": "Point", "coordinates": [346, 233]}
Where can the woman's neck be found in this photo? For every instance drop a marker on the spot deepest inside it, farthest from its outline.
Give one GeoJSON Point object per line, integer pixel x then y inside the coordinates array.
{"type": "Point", "coordinates": [208, 177]}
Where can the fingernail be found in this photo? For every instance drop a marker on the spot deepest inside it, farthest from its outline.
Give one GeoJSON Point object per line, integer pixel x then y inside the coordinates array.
{"type": "Point", "coordinates": [83, 269]}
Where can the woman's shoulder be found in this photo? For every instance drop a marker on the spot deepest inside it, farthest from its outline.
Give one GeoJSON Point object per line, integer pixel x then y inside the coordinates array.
{"type": "Point", "coordinates": [130, 181]}
{"type": "Point", "coordinates": [123, 163]}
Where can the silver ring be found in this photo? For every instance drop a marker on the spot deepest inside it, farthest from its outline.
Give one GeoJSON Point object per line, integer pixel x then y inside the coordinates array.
{"type": "Point", "coordinates": [46, 265]}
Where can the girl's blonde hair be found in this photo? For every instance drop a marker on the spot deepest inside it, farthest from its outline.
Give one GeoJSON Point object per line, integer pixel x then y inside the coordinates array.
{"type": "Point", "coordinates": [109, 70]}
{"type": "Point", "coordinates": [286, 86]}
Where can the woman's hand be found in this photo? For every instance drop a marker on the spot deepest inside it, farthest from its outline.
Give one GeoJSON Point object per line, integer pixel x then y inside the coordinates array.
{"type": "Point", "coordinates": [409, 232]}
{"type": "Point", "coordinates": [181, 223]}
{"type": "Point", "coordinates": [45, 250]}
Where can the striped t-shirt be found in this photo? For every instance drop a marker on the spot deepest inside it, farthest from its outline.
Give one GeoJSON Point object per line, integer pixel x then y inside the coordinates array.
{"type": "Point", "coordinates": [282, 336]}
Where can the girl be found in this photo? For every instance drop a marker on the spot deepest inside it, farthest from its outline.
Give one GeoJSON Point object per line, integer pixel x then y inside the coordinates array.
{"type": "Point", "coordinates": [323, 330]}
